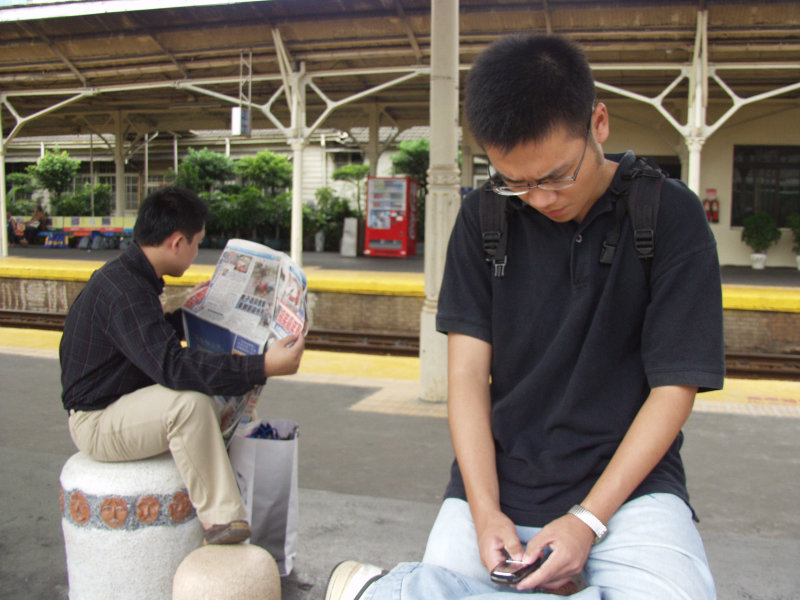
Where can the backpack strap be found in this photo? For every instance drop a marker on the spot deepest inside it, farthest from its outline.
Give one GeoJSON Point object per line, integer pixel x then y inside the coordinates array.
{"type": "Point", "coordinates": [642, 199]}
{"type": "Point", "coordinates": [494, 229]}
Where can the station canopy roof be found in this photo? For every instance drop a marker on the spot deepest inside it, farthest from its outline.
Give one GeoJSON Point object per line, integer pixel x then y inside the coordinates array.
{"type": "Point", "coordinates": [169, 66]}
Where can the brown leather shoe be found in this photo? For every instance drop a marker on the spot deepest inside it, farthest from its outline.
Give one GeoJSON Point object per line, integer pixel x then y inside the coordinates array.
{"type": "Point", "coordinates": [234, 532]}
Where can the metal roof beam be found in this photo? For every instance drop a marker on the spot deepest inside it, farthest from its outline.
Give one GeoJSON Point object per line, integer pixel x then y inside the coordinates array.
{"type": "Point", "coordinates": [21, 121]}
{"type": "Point", "coordinates": [54, 49]}
{"type": "Point", "coordinates": [409, 32]}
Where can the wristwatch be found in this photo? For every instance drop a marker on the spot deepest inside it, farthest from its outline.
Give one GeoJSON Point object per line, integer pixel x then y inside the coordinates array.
{"type": "Point", "coordinates": [591, 521]}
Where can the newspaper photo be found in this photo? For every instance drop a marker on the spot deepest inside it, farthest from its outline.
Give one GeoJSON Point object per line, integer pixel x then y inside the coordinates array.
{"type": "Point", "coordinates": [256, 295]}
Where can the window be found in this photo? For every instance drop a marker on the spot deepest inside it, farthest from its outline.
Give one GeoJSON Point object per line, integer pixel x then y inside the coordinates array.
{"type": "Point", "coordinates": [766, 179]}
{"type": "Point", "coordinates": [341, 159]}
{"type": "Point", "coordinates": [131, 191]}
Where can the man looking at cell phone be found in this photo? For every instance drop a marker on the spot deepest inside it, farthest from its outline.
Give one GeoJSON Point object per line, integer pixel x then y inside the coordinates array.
{"type": "Point", "coordinates": [569, 379]}
{"type": "Point", "coordinates": [133, 391]}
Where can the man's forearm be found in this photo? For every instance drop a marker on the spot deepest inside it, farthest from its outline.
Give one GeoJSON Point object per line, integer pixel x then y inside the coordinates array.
{"type": "Point", "coordinates": [469, 416]}
{"type": "Point", "coordinates": [474, 448]}
{"type": "Point", "coordinates": [649, 437]}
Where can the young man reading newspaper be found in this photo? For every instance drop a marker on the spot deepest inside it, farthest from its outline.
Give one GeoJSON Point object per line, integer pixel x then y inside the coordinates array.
{"type": "Point", "coordinates": [569, 378]}
{"type": "Point", "coordinates": [132, 391]}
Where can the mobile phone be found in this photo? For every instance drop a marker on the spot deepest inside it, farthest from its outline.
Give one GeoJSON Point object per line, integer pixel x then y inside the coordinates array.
{"type": "Point", "coordinates": [511, 572]}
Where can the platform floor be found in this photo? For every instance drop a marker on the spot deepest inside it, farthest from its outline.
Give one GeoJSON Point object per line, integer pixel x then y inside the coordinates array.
{"type": "Point", "coordinates": [374, 461]}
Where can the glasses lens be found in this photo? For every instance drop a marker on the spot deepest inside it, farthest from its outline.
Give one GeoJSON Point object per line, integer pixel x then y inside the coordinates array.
{"type": "Point", "coordinates": [557, 185]}
{"type": "Point", "coordinates": [504, 190]}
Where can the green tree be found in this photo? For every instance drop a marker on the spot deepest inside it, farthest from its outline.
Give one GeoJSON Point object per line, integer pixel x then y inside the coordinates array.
{"type": "Point", "coordinates": [202, 170]}
{"type": "Point", "coordinates": [279, 209]}
{"type": "Point", "coordinates": [412, 159]}
{"type": "Point", "coordinates": [80, 203]}
{"type": "Point", "coordinates": [55, 172]}
{"type": "Point", "coordinates": [264, 203]}
{"type": "Point", "coordinates": [20, 186]}
{"type": "Point", "coordinates": [330, 215]}
{"type": "Point", "coordinates": [355, 174]}
{"type": "Point", "coordinates": [222, 218]}
{"type": "Point", "coordinates": [270, 172]}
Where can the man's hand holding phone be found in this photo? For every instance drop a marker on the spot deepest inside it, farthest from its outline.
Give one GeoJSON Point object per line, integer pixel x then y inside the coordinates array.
{"type": "Point", "coordinates": [566, 547]}
{"type": "Point", "coordinates": [511, 572]}
{"type": "Point", "coordinates": [497, 538]}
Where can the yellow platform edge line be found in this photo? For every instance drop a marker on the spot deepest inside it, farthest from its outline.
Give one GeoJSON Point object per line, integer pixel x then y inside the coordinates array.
{"type": "Point", "coordinates": [762, 298]}
{"type": "Point", "coordinates": [734, 297]}
{"type": "Point", "coordinates": [353, 282]}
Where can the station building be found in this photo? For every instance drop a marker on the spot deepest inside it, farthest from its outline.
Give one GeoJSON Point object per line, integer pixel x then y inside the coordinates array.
{"type": "Point", "coordinates": [710, 89]}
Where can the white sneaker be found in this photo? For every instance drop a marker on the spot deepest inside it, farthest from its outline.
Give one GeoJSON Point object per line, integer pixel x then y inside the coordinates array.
{"type": "Point", "coordinates": [350, 579]}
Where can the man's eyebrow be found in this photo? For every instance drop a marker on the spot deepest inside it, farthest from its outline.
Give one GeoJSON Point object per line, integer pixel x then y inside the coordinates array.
{"type": "Point", "coordinates": [554, 174]}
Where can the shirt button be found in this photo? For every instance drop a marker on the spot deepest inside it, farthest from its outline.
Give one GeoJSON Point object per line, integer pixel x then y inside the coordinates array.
{"type": "Point", "coordinates": [578, 238]}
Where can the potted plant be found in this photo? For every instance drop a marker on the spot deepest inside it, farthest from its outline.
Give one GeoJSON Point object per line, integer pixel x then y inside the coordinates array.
{"type": "Point", "coordinates": [794, 227]}
{"type": "Point", "coordinates": [759, 233]}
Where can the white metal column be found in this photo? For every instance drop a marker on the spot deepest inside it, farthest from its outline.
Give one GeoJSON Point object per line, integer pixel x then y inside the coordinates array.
{"type": "Point", "coordinates": [4, 233]}
{"type": "Point", "coordinates": [444, 198]}
{"type": "Point", "coordinates": [119, 166]}
{"type": "Point", "coordinates": [696, 131]}
{"type": "Point", "coordinates": [296, 236]}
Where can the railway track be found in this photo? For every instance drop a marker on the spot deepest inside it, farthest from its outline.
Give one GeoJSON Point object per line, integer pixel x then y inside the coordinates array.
{"type": "Point", "coordinates": [739, 364]}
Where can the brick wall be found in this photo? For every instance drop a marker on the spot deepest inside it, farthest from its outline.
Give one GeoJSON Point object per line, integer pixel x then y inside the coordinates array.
{"type": "Point", "coordinates": [364, 312]}
{"type": "Point", "coordinates": [761, 331]}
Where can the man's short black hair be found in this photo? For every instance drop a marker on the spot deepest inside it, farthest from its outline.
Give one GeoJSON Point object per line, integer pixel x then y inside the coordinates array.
{"type": "Point", "coordinates": [167, 210]}
{"type": "Point", "coordinates": [522, 87]}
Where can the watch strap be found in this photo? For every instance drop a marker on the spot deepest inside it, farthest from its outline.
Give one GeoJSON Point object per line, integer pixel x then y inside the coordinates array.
{"type": "Point", "coordinates": [595, 524]}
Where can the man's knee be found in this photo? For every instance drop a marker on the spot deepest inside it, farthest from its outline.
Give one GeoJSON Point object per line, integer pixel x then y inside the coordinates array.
{"type": "Point", "coordinates": [653, 550]}
{"type": "Point", "coordinates": [190, 407]}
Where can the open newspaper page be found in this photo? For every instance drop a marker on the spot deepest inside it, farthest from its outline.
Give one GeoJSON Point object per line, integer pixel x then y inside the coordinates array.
{"type": "Point", "coordinates": [256, 295]}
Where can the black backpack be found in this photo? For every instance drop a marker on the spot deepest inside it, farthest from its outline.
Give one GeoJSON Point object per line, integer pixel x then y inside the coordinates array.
{"type": "Point", "coordinates": [642, 199]}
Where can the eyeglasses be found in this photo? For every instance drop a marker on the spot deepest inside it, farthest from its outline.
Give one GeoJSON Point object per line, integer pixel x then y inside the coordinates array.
{"type": "Point", "coordinates": [499, 186]}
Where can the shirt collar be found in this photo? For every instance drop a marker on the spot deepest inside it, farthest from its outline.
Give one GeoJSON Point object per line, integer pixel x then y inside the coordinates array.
{"type": "Point", "coordinates": [606, 202]}
{"type": "Point", "coordinates": [136, 260]}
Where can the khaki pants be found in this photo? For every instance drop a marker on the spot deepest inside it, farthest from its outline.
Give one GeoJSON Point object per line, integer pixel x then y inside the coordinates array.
{"type": "Point", "coordinates": [155, 419]}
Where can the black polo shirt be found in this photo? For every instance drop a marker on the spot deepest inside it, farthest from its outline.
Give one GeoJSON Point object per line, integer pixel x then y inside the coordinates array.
{"type": "Point", "coordinates": [577, 345]}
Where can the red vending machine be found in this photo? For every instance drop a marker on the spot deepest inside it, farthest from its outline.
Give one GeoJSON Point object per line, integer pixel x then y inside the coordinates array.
{"type": "Point", "coordinates": [391, 228]}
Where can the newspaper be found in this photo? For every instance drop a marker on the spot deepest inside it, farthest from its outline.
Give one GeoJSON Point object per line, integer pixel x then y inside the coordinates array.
{"type": "Point", "coordinates": [256, 296]}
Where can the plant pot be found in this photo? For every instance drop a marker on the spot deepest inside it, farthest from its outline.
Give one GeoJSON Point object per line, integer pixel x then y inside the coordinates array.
{"type": "Point", "coordinates": [758, 260]}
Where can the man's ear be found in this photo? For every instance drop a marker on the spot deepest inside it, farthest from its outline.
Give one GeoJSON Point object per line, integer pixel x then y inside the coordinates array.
{"type": "Point", "coordinates": [600, 123]}
{"type": "Point", "coordinates": [174, 242]}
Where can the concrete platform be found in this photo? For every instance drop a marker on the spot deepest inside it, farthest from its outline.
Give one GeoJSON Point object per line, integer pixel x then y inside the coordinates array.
{"type": "Point", "coordinates": [374, 462]}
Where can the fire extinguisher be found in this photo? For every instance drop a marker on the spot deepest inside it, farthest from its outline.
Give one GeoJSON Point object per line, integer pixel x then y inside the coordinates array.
{"type": "Point", "coordinates": [707, 207]}
{"type": "Point", "coordinates": [711, 205]}
{"type": "Point", "coordinates": [715, 211]}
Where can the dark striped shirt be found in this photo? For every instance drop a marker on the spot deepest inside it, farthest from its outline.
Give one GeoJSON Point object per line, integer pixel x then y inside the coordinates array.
{"type": "Point", "coordinates": [117, 340]}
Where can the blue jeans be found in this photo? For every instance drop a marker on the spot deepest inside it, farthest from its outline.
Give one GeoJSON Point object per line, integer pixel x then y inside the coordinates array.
{"type": "Point", "coordinates": [652, 551]}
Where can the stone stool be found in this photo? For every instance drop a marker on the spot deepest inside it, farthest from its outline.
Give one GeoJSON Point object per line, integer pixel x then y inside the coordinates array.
{"type": "Point", "coordinates": [127, 526]}
{"type": "Point", "coordinates": [237, 572]}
